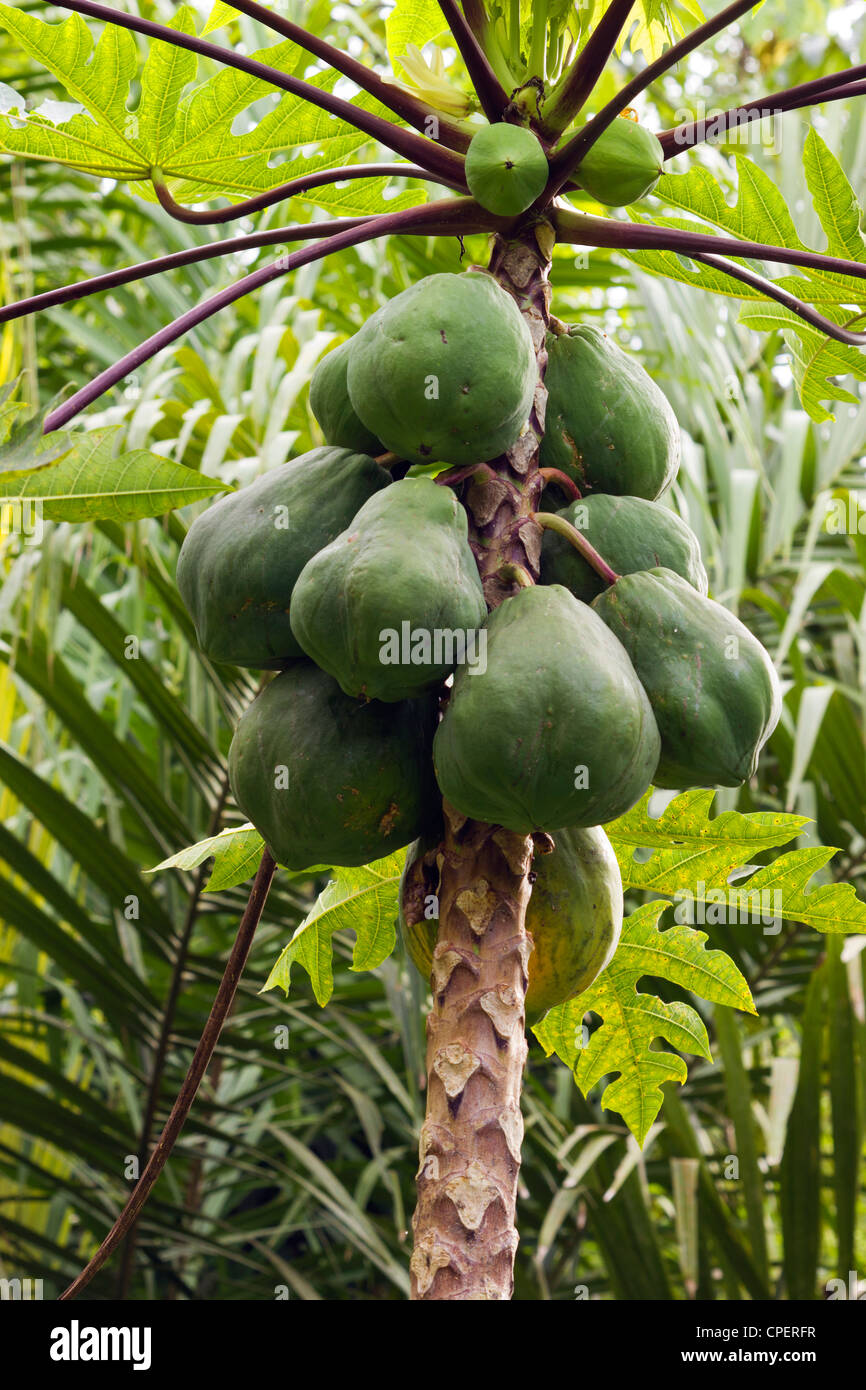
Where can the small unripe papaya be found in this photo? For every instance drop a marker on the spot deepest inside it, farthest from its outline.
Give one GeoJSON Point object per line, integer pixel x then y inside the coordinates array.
{"type": "Point", "coordinates": [506, 169]}
{"type": "Point", "coordinates": [631, 534]}
{"type": "Point", "coordinates": [624, 164]}
{"type": "Point", "coordinates": [328, 780]}
{"type": "Point", "coordinates": [445, 372]}
{"type": "Point", "coordinates": [555, 730]}
{"type": "Point", "coordinates": [607, 424]}
{"type": "Point", "coordinates": [383, 607]}
{"type": "Point", "coordinates": [712, 686]}
{"type": "Point", "coordinates": [329, 402]}
{"type": "Point", "coordinates": [241, 557]}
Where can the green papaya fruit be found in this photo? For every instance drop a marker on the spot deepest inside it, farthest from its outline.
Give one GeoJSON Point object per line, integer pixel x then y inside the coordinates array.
{"type": "Point", "coordinates": [574, 914]}
{"type": "Point", "coordinates": [329, 402]}
{"type": "Point", "coordinates": [607, 424]}
{"type": "Point", "coordinates": [630, 534]}
{"type": "Point", "coordinates": [624, 164]}
{"type": "Point", "coordinates": [329, 780]}
{"type": "Point", "coordinates": [391, 605]}
{"type": "Point", "coordinates": [712, 686]}
{"type": "Point", "coordinates": [445, 372]}
{"type": "Point", "coordinates": [506, 168]}
{"type": "Point", "coordinates": [241, 557]}
{"type": "Point", "coordinates": [556, 730]}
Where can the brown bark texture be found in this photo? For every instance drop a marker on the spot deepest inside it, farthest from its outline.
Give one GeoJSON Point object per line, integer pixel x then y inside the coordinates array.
{"type": "Point", "coordinates": [465, 1236]}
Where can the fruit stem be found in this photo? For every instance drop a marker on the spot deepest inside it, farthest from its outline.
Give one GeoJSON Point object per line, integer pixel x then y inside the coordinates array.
{"type": "Point", "coordinates": [551, 522]}
{"type": "Point", "coordinates": [556, 475]}
{"type": "Point", "coordinates": [518, 575]}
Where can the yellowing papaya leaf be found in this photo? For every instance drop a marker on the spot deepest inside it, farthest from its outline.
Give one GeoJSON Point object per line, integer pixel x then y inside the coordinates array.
{"type": "Point", "coordinates": [221, 15]}
{"type": "Point", "coordinates": [686, 821]}
{"type": "Point", "coordinates": [632, 1021]}
{"type": "Point", "coordinates": [696, 859]}
{"type": "Point", "coordinates": [364, 901]}
{"type": "Point", "coordinates": [705, 860]}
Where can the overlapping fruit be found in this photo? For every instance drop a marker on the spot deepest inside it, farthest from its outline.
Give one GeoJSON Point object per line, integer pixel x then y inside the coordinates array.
{"type": "Point", "coordinates": [567, 702]}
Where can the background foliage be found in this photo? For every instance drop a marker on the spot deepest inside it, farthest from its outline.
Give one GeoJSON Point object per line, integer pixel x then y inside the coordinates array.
{"type": "Point", "coordinates": [295, 1170]}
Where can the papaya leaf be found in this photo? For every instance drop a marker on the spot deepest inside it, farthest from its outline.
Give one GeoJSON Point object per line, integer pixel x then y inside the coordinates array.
{"type": "Point", "coordinates": [695, 860]}
{"type": "Point", "coordinates": [412, 22]}
{"type": "Point", "coordinates": [759, 213]}
{"type": "Point", "coordinates": [830, 907]}
{"type": "Point", "coordinates": [658, 25]}
{"type": "Point", "coordinates": [96, 76]}
{"type": "Point", "coordinates": [184, 129]}
{"type": "Point", "coordinates": [631, 1021]}
{"type": "Point", "coordinates": [90, 484]}
{"type": "Point", "coordinates": [236, 853]}
{"type": "Point", "coordinates": [686, 821]}
{"type": "Point", "coordinates": [364, 901]}
{"type": "Point", "coordinates": [221, 15]}
{"type": "Point", "coordinates": [652, 25]}
{"type": "Point", "coordinates": [23, 446]}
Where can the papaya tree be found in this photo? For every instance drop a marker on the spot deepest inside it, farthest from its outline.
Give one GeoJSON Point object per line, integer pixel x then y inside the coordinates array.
{"type": "Point", "coordinates": [484, 639]}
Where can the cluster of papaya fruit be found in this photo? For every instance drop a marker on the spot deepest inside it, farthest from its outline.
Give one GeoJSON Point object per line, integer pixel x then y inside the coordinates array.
{"type": "Point", "coordinates": [364, 594]}
{"type": "Point", "coordinates": [507, 169]}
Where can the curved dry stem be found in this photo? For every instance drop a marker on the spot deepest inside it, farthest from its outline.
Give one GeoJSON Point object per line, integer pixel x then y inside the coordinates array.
{"type": "Point", "coordinates": [458, 218]}
{"type": "Point", "coordinates": [197, 1068]}
{"type": "Point", "coordinates": [550, 521]}
{"type": "Point", "coordinates": [174, 260]}
{"type": "Point", "coordinates": [835, 87]}
{"type": "Point", "coordinates": [403, 142]}
{"type": "Point", "coordinates": [489, 90]}
{"type": "Point", "coordinates": [587, 69]}
{"type": "Point", "coordinates": [169, 1014]}
{"type": "Point", "coordinates": [566, 161]}
{"type": "Point", "coordinates": [206, 217]}
{"type": "Point", "coordinates": [784, 297]}
{"type": "Point", "coordinates": [581, 229]}
{"type": "Point", "coordinates": [408, 107]}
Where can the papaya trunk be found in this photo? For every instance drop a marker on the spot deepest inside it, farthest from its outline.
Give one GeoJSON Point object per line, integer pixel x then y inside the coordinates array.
{"type": "Point", "coordinates": [465, 1235]}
